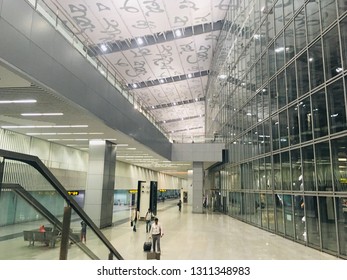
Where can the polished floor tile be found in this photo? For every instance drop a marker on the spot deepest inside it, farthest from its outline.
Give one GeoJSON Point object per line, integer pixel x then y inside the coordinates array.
{"type": "Point", "coordinates": [187, 236]}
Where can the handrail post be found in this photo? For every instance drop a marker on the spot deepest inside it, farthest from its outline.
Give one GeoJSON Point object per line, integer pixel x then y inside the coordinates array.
{"type": "Point", "coordinates": [64, 245]}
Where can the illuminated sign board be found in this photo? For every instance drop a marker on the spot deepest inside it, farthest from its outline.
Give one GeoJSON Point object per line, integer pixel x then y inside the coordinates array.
{"type": "Point", "coordinates": [132, 191]}
{"type": "Point", "coordinates": [343, 180]}
{"type": "Point", "coordinates": [162, 190]}
{"type": "Point", "coordinates": [73, 192]}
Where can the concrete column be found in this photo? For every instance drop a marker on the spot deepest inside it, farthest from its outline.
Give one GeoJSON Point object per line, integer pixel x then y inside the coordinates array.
{"type": "Point", "coordinates": [99, 194]}
{"type": "Point", "coordinates": [189, 188]}
{"type": "Point", "coordinates": [198, 182]}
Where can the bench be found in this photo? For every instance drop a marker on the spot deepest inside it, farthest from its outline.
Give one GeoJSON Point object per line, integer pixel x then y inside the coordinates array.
{"type": "Point", "coordinates": [48, 237]}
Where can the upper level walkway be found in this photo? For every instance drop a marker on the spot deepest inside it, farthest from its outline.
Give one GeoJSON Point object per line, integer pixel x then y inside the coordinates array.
{"type": "Point", "coordinates": [187, 236]}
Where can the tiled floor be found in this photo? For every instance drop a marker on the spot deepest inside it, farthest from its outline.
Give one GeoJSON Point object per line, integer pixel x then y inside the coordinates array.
{"type": "Point", "coordinates": [187, 236]}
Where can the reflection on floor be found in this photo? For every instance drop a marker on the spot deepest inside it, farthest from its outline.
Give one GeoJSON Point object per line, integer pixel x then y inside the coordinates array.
{"type": "Point", "coordinates": [187, 236]}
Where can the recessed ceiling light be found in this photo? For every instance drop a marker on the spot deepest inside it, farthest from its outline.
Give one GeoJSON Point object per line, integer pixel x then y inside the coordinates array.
{"type": "Point", "coordinates": [178, 33]}
{"type": "Point", "coordinates": [140, 41]}
{"type": "Point", "coordinates": [18, 101]}
{"type": "Point", "coordinates": [135, 85]}
{"type": "Point", "coordinates": [103, 47]}
{"type": "Point", "coordinates": [161, 81]}
{"type": "Point", "coordinates": [190, 75]}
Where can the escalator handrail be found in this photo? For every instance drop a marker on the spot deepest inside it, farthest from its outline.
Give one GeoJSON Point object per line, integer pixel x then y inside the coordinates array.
{"type": "Point", "coordinates": [36, 163]}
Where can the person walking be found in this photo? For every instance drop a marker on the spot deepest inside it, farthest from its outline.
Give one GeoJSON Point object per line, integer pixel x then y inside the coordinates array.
{"type": "Point", "coordinates": [156, 233]}
{"type": "Point", "coordinates": [83, 232]}
{"type": "Point", "coordinates": [135, 217]}
{"type": "Point", "coordinates": [179, 204]}
{"type": "Point", "coordinates": [148, 218]}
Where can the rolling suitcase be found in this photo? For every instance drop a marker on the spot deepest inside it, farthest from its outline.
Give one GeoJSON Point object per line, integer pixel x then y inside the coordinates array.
{"type": "Point", "coordinates": [147, 246]}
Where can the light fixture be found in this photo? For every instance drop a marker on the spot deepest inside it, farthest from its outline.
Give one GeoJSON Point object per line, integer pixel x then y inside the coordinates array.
{"type": "Point", "coordinates": [280, 49]}
{"type": "Point", "coordinates": [190, 75]}
{"type": "Point", "coordinates": [161, 81]}
{"type": "Point", "coordinates": [103, 47]}
{"type": "Point", "coordinates": [178, 33]}
{"type": "Point", "coordinates": [339, 69]}
{"type": "Point", "coordinates": [135, 85]}
{"type": "Point", "coordinates": [140, 41]}
{"type": "Point", "coordinates": [43, 126]}
{"type": "Point", "coordinates": [41, 114]}
{"type": "Point", "coordinates": [18, 101]}
{"type": "Point", "coordinates": [310, 59]}
{"type": "Point", "coordinates": [222, 76]}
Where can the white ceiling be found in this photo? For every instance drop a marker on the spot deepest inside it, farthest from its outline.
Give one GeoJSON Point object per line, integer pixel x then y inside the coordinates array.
{"type": "Point", "coordinates": [170, 73]}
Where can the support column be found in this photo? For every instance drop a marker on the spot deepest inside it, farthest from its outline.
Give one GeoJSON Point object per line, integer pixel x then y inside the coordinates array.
{"type": "Point", "coordinates": [198, 182]}
{"type": "Point", "coordinates": [99, 196]}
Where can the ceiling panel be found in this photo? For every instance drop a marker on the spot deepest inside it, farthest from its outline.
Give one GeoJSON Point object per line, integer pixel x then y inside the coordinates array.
{"type": "Point", "coordinates": [160, 65]}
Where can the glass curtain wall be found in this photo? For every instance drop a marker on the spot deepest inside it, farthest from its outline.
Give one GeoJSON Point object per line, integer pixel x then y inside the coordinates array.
{"type": "Point", "coordinates": [277, 96]}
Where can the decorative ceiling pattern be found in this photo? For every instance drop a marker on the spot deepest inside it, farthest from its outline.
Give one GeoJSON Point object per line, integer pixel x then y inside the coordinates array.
{"type": "Point", "coordinates": [161, 49]}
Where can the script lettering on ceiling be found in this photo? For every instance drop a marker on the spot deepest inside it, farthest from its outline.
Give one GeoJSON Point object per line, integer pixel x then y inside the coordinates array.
{"type": "Point", "coordinates": [138, 68]}
{"type": "Point", "coordinates": [143, 24]}
{"type": "Point", "coordinates": [152, 7]}
{"type": "Point", "coordinates": [223, 7]}
{"type": "Point", "coordinates": [181, 21]}
{"type": "Point", "coordinates": [186, 48]}
{"type": "Point", "coordinates": [202, 19]}
{"type": "Point", "coordinates": [211, 37]}
{"type": "Point", "coordinates": [111, 30]}
{"type": "Point", "coordinates": [82, 21]}
{"type": "Point", "coordinates": [188, 4]}
{"type": "Point", "coordinates": [102, 7]}
{"type": "Point", "coordinates": [121, 64]}
{"type": "Point", "coordinates": [141, 52]}
{"type": "Point", "coordinates": [129, 9]}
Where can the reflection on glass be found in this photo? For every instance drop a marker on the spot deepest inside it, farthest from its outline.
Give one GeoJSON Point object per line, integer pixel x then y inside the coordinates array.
{"type": "Point", "coordinates": [283, 128]}
{"type": "Point", "coordinates": [302, 74]}
{"type": "Point", "coordinates": [341, 210]}
{"type": "Point", "coordinates": [279, 213]}
{"type": "Point", "coordinates": [313, 20]}
{"type": "Point", "coordinates": [277, 172]}
{"type": "Point", "coordinates": [308, 182]}
{"type": "Point", "coordinates": [343, 32]}
{"type": "Point", "coordinates": [296, 169]}
{"type": "Point", "coordinates": [299, 218]}
{"type": "Point", "coordinates": [336, 106]}
{"type": "Point", "coordinates": [288, 215]}
{"type": "Point", "coordinates": [327, 221]}
{"type": "Point", "coordinates": [315, 58]}
{"type": "Point", "coordinates": [293, 124]}
{"type": "Point", "coordinates": [270, 211]}
{"type": "Point", "coordinates": [291, 82]}
{"type": "Point", "coordinates": [285, 171]}
{"type": "Point", "coordinates": [323, 166]}
{"type": "Point", "coordinates": [319, 112]}
{"type": "Point", "coordinates": [328, 11]}
{"type": "Point", "coordinates": [332, 57]}
{"type": "Point", "coordinates": [300, 30]}
{"type": "Point", "coordinates": [339, 163]}
{"type": "Point", "coordinates": [311, 220]}
{"type": "Point", "coordinates": [305, 120]}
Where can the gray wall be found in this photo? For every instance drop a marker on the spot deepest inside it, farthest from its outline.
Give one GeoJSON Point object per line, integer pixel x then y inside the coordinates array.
{"type": "Point", "coordinates": [34, 48]}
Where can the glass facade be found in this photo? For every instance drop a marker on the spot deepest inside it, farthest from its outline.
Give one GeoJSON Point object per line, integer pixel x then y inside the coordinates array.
{"type": "Point", "coordinates": [277, 96]}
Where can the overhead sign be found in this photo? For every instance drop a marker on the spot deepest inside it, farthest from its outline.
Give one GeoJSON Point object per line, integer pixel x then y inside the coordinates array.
{"type": "Point", "coordinates": [73, 193]}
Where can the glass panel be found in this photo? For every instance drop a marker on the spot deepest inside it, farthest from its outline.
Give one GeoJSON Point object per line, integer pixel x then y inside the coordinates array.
{"type": "Point", "coordinates": [283, 128]}
{"type": "Point", "coordinates": [273, 96]}
{"type": "Point", "coordinates": [288, 10]}
{"type": "Point", "coordinates": [343, 31]}
{"type": "Point", "coordinates": [339, 163]}
{"type": "Point", "coordinates": [289, 41]}
{"type": "Point", "coordinates": [298, 4]}
{"type": "Point", "coordinates": [277, 172]}
{"type": "Point", "coordinates": [275, 133]}
{"type": "Point", "coordinates": [272, 63]}
{"type": "Point", "coordinates": [328, 10]}
{"type": "Point", "coordinates": [302, 74]}
{"type": "Point", "coordinates": [342, 6]}
{"type": "Point", "coordinates": [278, 13]}
{"type": "Point", "coordinates": [312, 20]}
{"type": "Point", "coordinates": [311, 222]}
{"type": "Point", "coordinates": [341, 209]}
{"type": "Point", "coordinates": [291, 82]}
{"type": "Point", "coordinates": [332, 57]}
{"type": "Point", "coordinates": [305, 120]}
{"type": "Point", "coordinates": [307, 182]}
{"type": "Point", "coordinates": [270, 211]}
{"type": "Point", "coordinates": [323, 166]}
{"type": "Point", "coordinates": [279, 213]}
{"type": "Point", "coordinates": [336, 106]}
{"type": "Point", "coordinates": [286, 171]}
{"type": "Point", "coordinates": [299, 220]}
{"type": "Point", "coordinates": [293, 125]}
{"type": "Point", "coordinates": [327, 221]}
{"type": "Point", "coordinates": [316, 64]}
{"type": "Point", "coordinates": [281, 90]}
{"type": "Point", "coordinates": [288, 215]}
{"type": "Point", "coordinates": [280, 51]}
{"type": "Point", "coordinates": [296, 169]}
{"type": "Point", "coordinates": [319, 112]}
{"type": "Point", "coordinates": [300, 31]}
